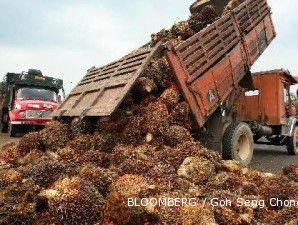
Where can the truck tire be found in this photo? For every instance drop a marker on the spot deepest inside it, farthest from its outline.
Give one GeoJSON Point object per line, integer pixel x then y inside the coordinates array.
{"type": "Point", "coordinates": [3, 124]}
{"type": "Point", "coordinates": [12, 130]}
{"type": "Point", "coordinates": [238, 143]}
{"type": "Point", "coordinates": [292, 143]}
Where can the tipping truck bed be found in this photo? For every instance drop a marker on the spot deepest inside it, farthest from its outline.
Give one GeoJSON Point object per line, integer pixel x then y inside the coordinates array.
{"type": "Point", "coordinates": [103, 89]}
{"type": "Point", "coordinates": [208, 66]}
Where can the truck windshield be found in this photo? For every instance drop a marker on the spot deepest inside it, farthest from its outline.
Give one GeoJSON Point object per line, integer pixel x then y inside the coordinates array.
{"type": "Point", "coordinates": [36, 94]}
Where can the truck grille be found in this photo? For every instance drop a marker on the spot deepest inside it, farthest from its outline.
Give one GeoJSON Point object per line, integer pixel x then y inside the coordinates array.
{"type": "Point", "coordinates": [36, 114]}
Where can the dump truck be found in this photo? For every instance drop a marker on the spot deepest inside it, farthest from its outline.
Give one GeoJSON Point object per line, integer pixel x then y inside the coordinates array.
{"type": "Point", "coordinates": [211, 68]}
{"type": "Point", "coordinates": [27, 100]}
{"type": "Point", "coordinates": [269, 109]}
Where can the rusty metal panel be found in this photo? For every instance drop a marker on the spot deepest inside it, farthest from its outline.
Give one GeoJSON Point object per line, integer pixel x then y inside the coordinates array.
{"type": "Point", "coordinates": [258, 39]}
{"type": "Point", "coordinates": [103, 89]}
{"type": "Point", "coordinates": [250, 13]}
{"type": "Point", "coordinates": [208, 46]}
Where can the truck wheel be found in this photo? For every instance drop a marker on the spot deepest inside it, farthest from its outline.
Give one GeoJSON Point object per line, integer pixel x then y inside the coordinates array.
{"type": "Point", "coordinates": [238, 143]}
{"type": "Point", "coordinates": [3, 124]}
{"type": "Point", "coordinates": [12, 131]}
{"type": "Point", "coordinates": [292, 143]}
{"type": "Point", "coordinates": [3, 127]}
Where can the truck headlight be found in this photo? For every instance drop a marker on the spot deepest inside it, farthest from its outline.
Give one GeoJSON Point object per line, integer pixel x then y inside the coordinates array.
{"type": "Point", "coordinates": [17, 106]}
{"type": "Point", "coordinates": [22, 115]}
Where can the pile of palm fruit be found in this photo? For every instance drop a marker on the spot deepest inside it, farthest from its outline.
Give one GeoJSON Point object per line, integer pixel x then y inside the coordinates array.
{"type": "Point", "coordinates": [71, 174]}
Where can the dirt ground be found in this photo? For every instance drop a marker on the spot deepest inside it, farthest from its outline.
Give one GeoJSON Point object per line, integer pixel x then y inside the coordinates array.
{"type": "Point", "coordinates": [4, 139]}
{"type": "Point", "coordinates": [266, 158]}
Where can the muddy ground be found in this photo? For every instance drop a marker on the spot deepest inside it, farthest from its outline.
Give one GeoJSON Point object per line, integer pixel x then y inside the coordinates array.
{"type": "Point", "coordinates": [266, 158]}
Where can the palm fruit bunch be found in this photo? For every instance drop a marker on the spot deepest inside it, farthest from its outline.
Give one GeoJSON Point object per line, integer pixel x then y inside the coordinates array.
{"type": "Point", "coordinates": [55, 136]}
{"type": "Point", "coordinates": [82, 143]}
{"type": "Point", "coordinates": [94, 157]}
{"type": "Point", "coordinates": [104, 142]}
{"type": "Point", "coordinates": [29, 142]}
{"type": "Point", "coordinates": [160, 72]}
{"type": "Point", "coordinates": [181, 115]}
{"type": "Point", "coordinates": [170, 97]}
{"type": "Point", "coordinates": [201, 19]}
{"type": "Point", "coordinates": [177, 213]}
{"type": "Point", "coordinates": [132, 160]}
{"type": "Point", "coordinates": [143, 87]}
{"type": "Point", "coordinates": [197, 215]}
{"type": "Point", "coordinates": [175, 156]}
{"type": "Point", "coordinates": [74, 201]}
{"type": "Point", "coordinates": [181, 30]}
{"type": "Point", "coordinates": [101, 178]}
{"type": "Point", "coordinates": [133, 187]}
{"type": "Point", "coordinates": [155, 114]}
{"type": "Point", "coordinates": [291, 172]}
{"type": "Point", "coordinates": [158, 172]}
{"type": "Point", "coordinates": [46, 171]}
{"type": "Point", "coordinates": [132, 133]}
{"type": "Point", "coordinates": [9, 176]}
{"type": "Point", "coordinates": [33, 156]}
{"type": "Point", "coordinates": [174, 134]}
{"type": "Point", "coordinates": [9, 153]}
{"type": "Point", "coordinates": [196, 169]}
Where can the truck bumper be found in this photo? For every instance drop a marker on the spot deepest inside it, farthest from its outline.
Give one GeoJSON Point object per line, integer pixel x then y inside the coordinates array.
{"type": "Point", "coordinates": [24, 126]}
{"type": "Point", "coordinates": [32, 123]}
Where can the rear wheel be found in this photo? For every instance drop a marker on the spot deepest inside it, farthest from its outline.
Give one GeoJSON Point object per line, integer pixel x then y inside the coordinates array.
{"type": "Point", "coordinates": [292, 143]}
{"type": "Point", "coordinates": [12, 130]}
{"type": "Point", "coordinates": [238, 143]}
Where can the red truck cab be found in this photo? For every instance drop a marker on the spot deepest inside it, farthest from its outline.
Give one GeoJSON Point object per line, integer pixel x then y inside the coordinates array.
{"type": "Point", "coordinates": [29, 100]}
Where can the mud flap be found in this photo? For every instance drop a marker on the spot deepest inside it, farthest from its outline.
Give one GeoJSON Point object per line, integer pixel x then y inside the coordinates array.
{"type": "Point", "coordinates": [214, 129]}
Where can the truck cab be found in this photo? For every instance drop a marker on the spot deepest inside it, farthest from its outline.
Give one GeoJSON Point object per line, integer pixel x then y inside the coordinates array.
{"type": "Point", "coordinates": [28, 100]}
{"type": "Point", "coordinates": [269, 109]}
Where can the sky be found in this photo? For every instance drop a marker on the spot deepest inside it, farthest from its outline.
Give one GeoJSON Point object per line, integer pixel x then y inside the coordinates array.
{"type": "Point", "coordinates": [65, 38]}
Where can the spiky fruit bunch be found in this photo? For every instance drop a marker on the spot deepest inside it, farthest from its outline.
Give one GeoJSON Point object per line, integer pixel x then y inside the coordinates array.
{"type": "Point", "coordinates": [224, 181]}
{"type": "Point", "coordinates": [291, 172]}
{"type": "Point", "coordinates": [133, 133]}
{"type": "Point", "coordinates": [94, 157]}
{"type": "Point", "coordinates": [197, 169]}
{"type": "Point", "coordinates": [74, 201]}
{"type": "Point", "coordinates": [99, 177]}
{"type": "Point", "coordinates": [29, 142]}
{"type": "Point", "coordinates": [176, 156]}
{"type": "Point", "coordinates": [128, 187]}
{"type": "Point", "coordinates": [170, 97]}
{"type": "Point", "coordinates": [46, 171]}
{"type": "Point", "coordinates": [55, 136]}
{"type": "Point", "coordinates": [201, 19]}
{"type": "Point", "coordinates": [9, 153]}
{"type": "Point", "coordinates": [83, 143]}
{"type": "Point", "coordinates": [181, 115]}
{"type": "Point", "coordinates": [174, 135]}
{"type": "Point", "coordinates": [156, 114]}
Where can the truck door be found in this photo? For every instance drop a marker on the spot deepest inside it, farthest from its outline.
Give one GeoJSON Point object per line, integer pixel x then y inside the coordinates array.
{"type": "Point", "coordinates": [289, 106]}
{"type": "Point", "coordinates": [11, 94]}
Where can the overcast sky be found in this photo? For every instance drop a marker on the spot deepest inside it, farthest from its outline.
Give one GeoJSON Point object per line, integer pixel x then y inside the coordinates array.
{"type": "Point", "coordinates": [65, 38]}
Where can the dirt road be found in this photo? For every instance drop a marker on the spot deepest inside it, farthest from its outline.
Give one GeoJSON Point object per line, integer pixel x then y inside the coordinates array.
{"type": "Point", "coordinates": [266, 158]}
{"type": "Point", "coordinates": [272, 158]}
